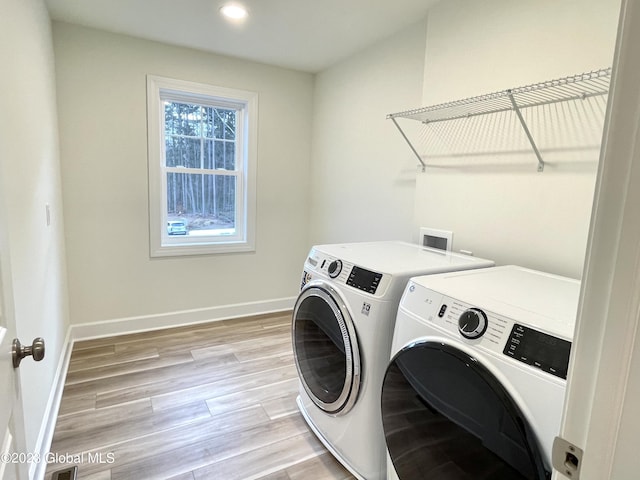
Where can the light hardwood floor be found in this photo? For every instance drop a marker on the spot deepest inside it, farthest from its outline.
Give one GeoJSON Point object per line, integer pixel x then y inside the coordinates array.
{"type": "Point", "coordinates": [213, 401]}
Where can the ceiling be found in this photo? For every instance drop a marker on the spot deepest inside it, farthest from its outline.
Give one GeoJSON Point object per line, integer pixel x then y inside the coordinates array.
{"type": "Point", "coordinates": [307, 35]}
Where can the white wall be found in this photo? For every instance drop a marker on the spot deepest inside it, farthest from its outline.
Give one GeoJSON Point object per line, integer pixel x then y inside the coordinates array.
{"type": "Point", "coordinates": [102, 105]}
{"type": "Point", "coordinates": [31, 179]}
{"type": "Point", "coordinates": [498, 206]}
{"type": "Point", "coordinates": [362, 184]}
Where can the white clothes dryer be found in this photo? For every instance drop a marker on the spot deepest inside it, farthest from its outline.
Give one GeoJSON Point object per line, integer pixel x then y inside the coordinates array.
{"type": "Point", "coordinates": [476, 383]}
{"type": "Point", "coordinates": [342, 327]}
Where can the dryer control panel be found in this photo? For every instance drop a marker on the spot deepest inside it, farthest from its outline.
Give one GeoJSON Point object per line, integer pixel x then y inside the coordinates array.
{"type": "Point", "coordinates": [489, 330]}
{"type": "Point", "coordinates": [539, 349]}
{"type": "Point", "coordinates": [501, 335]}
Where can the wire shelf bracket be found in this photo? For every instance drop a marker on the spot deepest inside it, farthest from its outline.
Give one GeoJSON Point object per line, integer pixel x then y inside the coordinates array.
{"type": "Point", "coordinates": [576, 87]}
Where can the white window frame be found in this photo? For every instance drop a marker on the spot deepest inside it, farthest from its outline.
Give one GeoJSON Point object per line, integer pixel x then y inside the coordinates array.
{"type": "Point", "coordinates": [160, 89]}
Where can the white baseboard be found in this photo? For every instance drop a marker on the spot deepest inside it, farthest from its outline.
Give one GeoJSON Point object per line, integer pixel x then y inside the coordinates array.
{"type": "Point", "coordinates": [123, 326]}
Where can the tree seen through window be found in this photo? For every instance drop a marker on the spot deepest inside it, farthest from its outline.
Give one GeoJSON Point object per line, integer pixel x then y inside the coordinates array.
{"type": "Point", "coordinates": [201, 138]}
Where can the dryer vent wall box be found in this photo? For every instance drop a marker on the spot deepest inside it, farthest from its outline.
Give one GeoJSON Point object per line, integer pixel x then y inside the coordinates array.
{"type": "Point", "coordinates": [431, 237]}
{"type": "Point", "coordinates": [70, 473]}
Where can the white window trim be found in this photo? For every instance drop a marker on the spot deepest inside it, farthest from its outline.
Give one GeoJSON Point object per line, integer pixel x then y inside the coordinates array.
{"type": "Point", "coordinates": [246, 191]}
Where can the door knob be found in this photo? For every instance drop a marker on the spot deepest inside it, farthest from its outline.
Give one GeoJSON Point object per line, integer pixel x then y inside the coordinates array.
{"type": "Point", "coordinates": [19, 351]}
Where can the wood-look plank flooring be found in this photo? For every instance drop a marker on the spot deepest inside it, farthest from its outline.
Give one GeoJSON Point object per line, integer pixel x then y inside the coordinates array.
{"type": "Point", "coordinates": [213, 401]}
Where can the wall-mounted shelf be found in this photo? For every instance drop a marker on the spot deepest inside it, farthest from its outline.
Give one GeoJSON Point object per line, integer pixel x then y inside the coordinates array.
{"type": "Point", "coordinates": [576, 87]}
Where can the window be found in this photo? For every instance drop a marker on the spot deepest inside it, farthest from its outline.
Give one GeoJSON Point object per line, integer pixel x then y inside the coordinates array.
{"type": "Point", "coordinates": [202, 151]}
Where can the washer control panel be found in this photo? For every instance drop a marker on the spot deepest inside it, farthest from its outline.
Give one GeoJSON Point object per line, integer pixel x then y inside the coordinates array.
{"type": "Point", "coordinates": [334, 268]}
{"type": "Point", "coordinates": [343, 272]}
{"type": "Point", "coordinates": [364, 280]}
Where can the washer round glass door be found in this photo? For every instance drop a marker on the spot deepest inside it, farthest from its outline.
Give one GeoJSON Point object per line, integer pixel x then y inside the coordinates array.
{"type": "Point", "coordinates": [445, 415]}
{"type": "Point", "coordinates": [325, 348]}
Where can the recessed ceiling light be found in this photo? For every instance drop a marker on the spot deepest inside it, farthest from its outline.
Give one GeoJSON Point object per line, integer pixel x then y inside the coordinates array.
{"type": "Point", "coordinates": [234, 11]}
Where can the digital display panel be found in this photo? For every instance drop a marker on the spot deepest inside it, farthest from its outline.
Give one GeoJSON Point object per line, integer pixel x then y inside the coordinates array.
{"type": "Point", "coordinates": [364, 280]}
{"type": "Point", "coordinates": [539, 350]}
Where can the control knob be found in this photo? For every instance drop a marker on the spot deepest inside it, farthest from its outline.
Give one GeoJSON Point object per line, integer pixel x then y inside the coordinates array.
{"type": "Point", "coordinates": [472, 323]}
{"type": "Point", "coordinates": [335, 268]}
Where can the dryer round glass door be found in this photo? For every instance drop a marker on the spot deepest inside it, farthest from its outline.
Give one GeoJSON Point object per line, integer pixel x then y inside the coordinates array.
{"type": "Point", "coordinates": [447, 416]}
{"type": "Point", "coordinates": [325, 348]}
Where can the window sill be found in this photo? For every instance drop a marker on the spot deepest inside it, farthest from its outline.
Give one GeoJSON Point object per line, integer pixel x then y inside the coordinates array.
{"type": "Point", "coordinates": [201, 249]}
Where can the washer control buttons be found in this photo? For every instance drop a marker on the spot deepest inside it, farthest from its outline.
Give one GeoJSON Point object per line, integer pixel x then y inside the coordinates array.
{"type": "Point", "coordinates": [472, 323]}
{"type": "Point", "coordinates": [335, 268]}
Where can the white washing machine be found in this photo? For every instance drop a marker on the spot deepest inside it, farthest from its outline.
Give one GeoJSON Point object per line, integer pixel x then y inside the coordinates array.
{"type": "Point", "coordinates": [342, 328]}
{"type": "Point", "coordinates": [476, 383]}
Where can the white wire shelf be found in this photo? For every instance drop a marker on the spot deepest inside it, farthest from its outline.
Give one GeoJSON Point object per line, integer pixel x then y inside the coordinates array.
{"type": "Point", "coordinates": [576, 87]}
